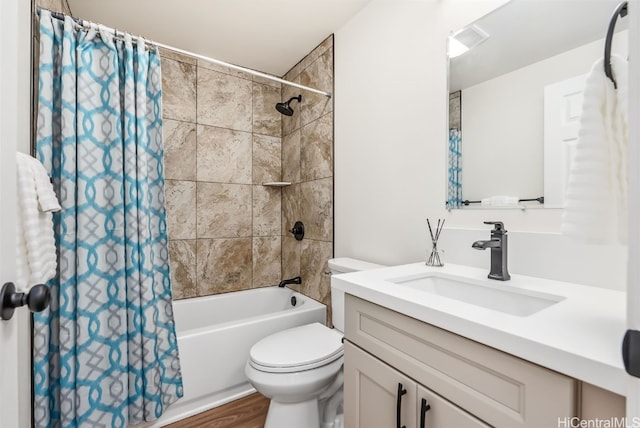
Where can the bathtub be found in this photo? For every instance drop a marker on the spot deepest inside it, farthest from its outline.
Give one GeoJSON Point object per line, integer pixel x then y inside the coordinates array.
{"type": "Point", "coordinates": [215, 334]}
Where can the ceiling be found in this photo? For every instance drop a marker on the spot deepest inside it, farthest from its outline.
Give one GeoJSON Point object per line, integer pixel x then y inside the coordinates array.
{"type": "Point", "coordinates": [526, 31]}
{"type": "Point", "coordinates": [269, 36]}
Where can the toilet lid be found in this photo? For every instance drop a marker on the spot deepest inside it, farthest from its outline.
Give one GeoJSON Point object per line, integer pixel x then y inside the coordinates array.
{"type": "Point", "coordinates": [297, 349]}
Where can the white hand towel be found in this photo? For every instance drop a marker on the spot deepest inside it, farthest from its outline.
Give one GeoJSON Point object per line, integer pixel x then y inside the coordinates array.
{"type": "Point", "coordinates": [596, 201]}
{"type": "Point", "coordinates": [35, 242]}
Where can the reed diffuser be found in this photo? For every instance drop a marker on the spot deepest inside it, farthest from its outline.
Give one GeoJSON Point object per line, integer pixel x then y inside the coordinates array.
{"type": "Point", "coordinates": [434, 257]}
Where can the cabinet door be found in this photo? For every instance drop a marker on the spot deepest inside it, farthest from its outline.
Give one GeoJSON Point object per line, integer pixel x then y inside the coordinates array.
{"type": "Point", "coordinates": [441, 413]}
{"type": "Point", "coordinates": [371, 392]}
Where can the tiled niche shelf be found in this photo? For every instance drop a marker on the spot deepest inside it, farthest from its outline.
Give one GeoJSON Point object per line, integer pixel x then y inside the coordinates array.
{"type": "Point", "coordinates": [277, 183]}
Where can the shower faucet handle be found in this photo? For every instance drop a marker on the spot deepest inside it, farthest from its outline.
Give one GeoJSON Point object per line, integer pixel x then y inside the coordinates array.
{"type": "Point", "coordinates": [298, 230]}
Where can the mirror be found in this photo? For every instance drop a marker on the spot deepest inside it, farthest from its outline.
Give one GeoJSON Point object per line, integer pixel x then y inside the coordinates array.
{"type": "Point", "coordinates": [513, 95]}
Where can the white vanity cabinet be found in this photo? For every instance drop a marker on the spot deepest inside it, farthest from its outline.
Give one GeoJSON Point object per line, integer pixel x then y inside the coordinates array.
{"type": "Point", "coordinates": [465, 383]}
{"type": "Point", "coordinates": [379, 396]}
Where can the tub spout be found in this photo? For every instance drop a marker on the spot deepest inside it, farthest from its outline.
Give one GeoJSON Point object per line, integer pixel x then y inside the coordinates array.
{"type": "Point", "coordinates": [296, 280]}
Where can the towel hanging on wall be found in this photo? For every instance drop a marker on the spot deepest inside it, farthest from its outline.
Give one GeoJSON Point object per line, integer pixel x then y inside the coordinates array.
{"type": "Point", "coordinates": [596, 201]}
{"type": "Point", "coordinates": [35, 243]}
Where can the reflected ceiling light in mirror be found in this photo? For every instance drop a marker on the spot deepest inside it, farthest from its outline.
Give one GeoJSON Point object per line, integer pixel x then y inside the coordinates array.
{"type": "Point", "coordinates": [456, 48]}
{"type": "Point", "coordinates": [466, 39]}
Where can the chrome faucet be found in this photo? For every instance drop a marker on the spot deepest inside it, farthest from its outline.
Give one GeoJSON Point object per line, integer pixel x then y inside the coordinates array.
{"type": "Point", "coordinates": [498, 245]}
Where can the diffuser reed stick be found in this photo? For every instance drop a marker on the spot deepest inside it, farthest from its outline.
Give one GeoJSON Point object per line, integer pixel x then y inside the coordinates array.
{"type": "Point", "coordinates": [434, 258]}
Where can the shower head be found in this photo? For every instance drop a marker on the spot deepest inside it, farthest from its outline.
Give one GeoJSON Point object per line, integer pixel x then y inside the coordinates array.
{"type": "Point", "coordinates": [285, 108]}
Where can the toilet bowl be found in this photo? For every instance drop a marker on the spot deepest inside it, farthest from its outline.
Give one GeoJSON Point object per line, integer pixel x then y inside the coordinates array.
{"type": "Point", "coordinates": [300, 369]}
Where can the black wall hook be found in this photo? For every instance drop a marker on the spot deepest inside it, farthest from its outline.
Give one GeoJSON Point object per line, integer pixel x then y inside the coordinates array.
{"type": "Point", "coordinates": [37, 299]}
{"type": "Point", "coordinates": [621, 11]}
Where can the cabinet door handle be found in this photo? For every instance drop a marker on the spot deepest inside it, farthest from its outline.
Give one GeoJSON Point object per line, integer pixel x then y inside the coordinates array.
{"type": "Point", "coordinates": [401, 392]}
{"type": "Point", "coordinates": [424, 408]}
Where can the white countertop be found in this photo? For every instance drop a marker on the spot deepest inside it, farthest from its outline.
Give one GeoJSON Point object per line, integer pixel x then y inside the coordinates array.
{"type": "Point", "coordinates": [581, 336]}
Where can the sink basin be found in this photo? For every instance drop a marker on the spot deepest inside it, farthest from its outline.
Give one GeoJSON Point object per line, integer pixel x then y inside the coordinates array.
{"type": "Point", "coordinates": [499, 297]}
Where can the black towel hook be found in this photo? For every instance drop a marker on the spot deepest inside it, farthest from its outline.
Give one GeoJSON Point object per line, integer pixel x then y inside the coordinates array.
{"type": "Point", "coordinates": [620, 11]}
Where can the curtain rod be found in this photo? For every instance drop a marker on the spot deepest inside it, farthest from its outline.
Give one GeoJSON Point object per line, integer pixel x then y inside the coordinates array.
{"type": "Point", "coordinates": [243, 69]}
{"type": "Point", "coordinates": [61, 16]}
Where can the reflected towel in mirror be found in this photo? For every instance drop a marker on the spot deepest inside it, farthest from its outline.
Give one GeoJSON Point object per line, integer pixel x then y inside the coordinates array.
{"type": "Point", "coordinates": [501, 201]}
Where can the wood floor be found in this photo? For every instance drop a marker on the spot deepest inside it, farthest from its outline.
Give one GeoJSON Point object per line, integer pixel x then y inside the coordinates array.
{"type": "Point", "coordinates": [248, 412]}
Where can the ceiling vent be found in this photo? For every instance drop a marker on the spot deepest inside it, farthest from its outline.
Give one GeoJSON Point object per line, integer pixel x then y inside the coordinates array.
{"type": "Point", "coordinates": [466, 39]}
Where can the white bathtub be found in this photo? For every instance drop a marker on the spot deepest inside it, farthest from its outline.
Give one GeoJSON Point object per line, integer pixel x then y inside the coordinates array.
{"type": "Point", "coordinates": [215, 334]}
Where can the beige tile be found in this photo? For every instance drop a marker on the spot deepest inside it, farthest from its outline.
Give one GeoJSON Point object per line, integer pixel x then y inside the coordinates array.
{"type": "Point", "coordinates": [55, 5]}
{"type": "Point", "coordinates": [291, 157]}
{"type": "Point", "coordinates": [290, 207]}
{"type": "Point", "coordinates": [267, 211]}
{"type": "Point", "coordinates": [224, 265]}
{"type": "Point", "coordinates": [266, 159]}
{"type": "Point", "coordinates": [266, 261]}
{"type": "Point", "coordinates": [323, 47]}
{"type": "Point", "coordinates": [316, 149]}
{"type": "Point", "coordinates": [223, 69]}
{"type": "Point", "coordinates": [179, 150]}
{"type": "Point", "coordinates": [181, 209]}
{"type": "Point", "coordinates": [316, 208]}
{"type": "Point", "coordinates": [224, 155]}
{"type": "Point", "coordinates": [182, 254]}
{"type": "Point", "coordinates": [291, 123]}
{"type": "Point", "coordinates": [169, 54]}
{"type": "Point", "coordinates": [224, 100]}
{"type": "Point", "coordinates": [266, 119]}
{"type": "Point", "coordinates": [318, 75]}
{"type": "Point", "coordinates": [224, 210]}
{"type": "Point", "coordinates": [290, 256]}
{"type": "Point", "coordinates": [311, 57]}
{"type": "Point", "coordinates": [266, 81]}
{"type": "Point", "coordinates": [178, 90]}
{"type": "Point", "coordinates": [455, 110]}
{"type": "Point", "coordinates": [316, 282]}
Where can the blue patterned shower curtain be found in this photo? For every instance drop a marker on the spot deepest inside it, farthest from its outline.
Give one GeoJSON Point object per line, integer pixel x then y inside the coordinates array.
{"type": "Point", "coordinates": [454, 197]}
{"type": "Point", "coordinates": [105, 353]}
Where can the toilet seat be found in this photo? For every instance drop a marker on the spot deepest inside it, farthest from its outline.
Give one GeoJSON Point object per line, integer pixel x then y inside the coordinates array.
{"type": "Point", "coordinates": [297, 349]}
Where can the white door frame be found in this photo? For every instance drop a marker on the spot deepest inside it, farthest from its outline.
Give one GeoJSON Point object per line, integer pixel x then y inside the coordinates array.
{"type": "Point", "coordinates": [633, 270]}
{"type": "Point", "coordinates": [15, 72]}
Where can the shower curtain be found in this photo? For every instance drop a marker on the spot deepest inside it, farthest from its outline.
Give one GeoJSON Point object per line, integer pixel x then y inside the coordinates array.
{"type": "Point", "coordinates": [454, 198]}
{"type": "Point", "coordinates": [105, 353]}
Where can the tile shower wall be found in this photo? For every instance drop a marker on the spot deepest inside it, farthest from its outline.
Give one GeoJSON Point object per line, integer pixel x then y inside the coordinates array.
{"type": "Point", "coordinates": [222, 136]}
{"type": "Point", "coordinates": [307, 162]}
{"type": "Point", "coordinates": [55, 5]}
{"type": "Point", "coordinates": [222, 140]}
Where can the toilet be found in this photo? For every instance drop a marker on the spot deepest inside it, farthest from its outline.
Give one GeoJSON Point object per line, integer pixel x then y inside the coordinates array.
{"type": "Point", "coordinates": [300, 369]}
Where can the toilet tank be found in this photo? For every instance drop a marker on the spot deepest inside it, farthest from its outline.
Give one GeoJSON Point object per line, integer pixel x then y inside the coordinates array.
{"type": "Point", "coordinates": [338, 266]}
